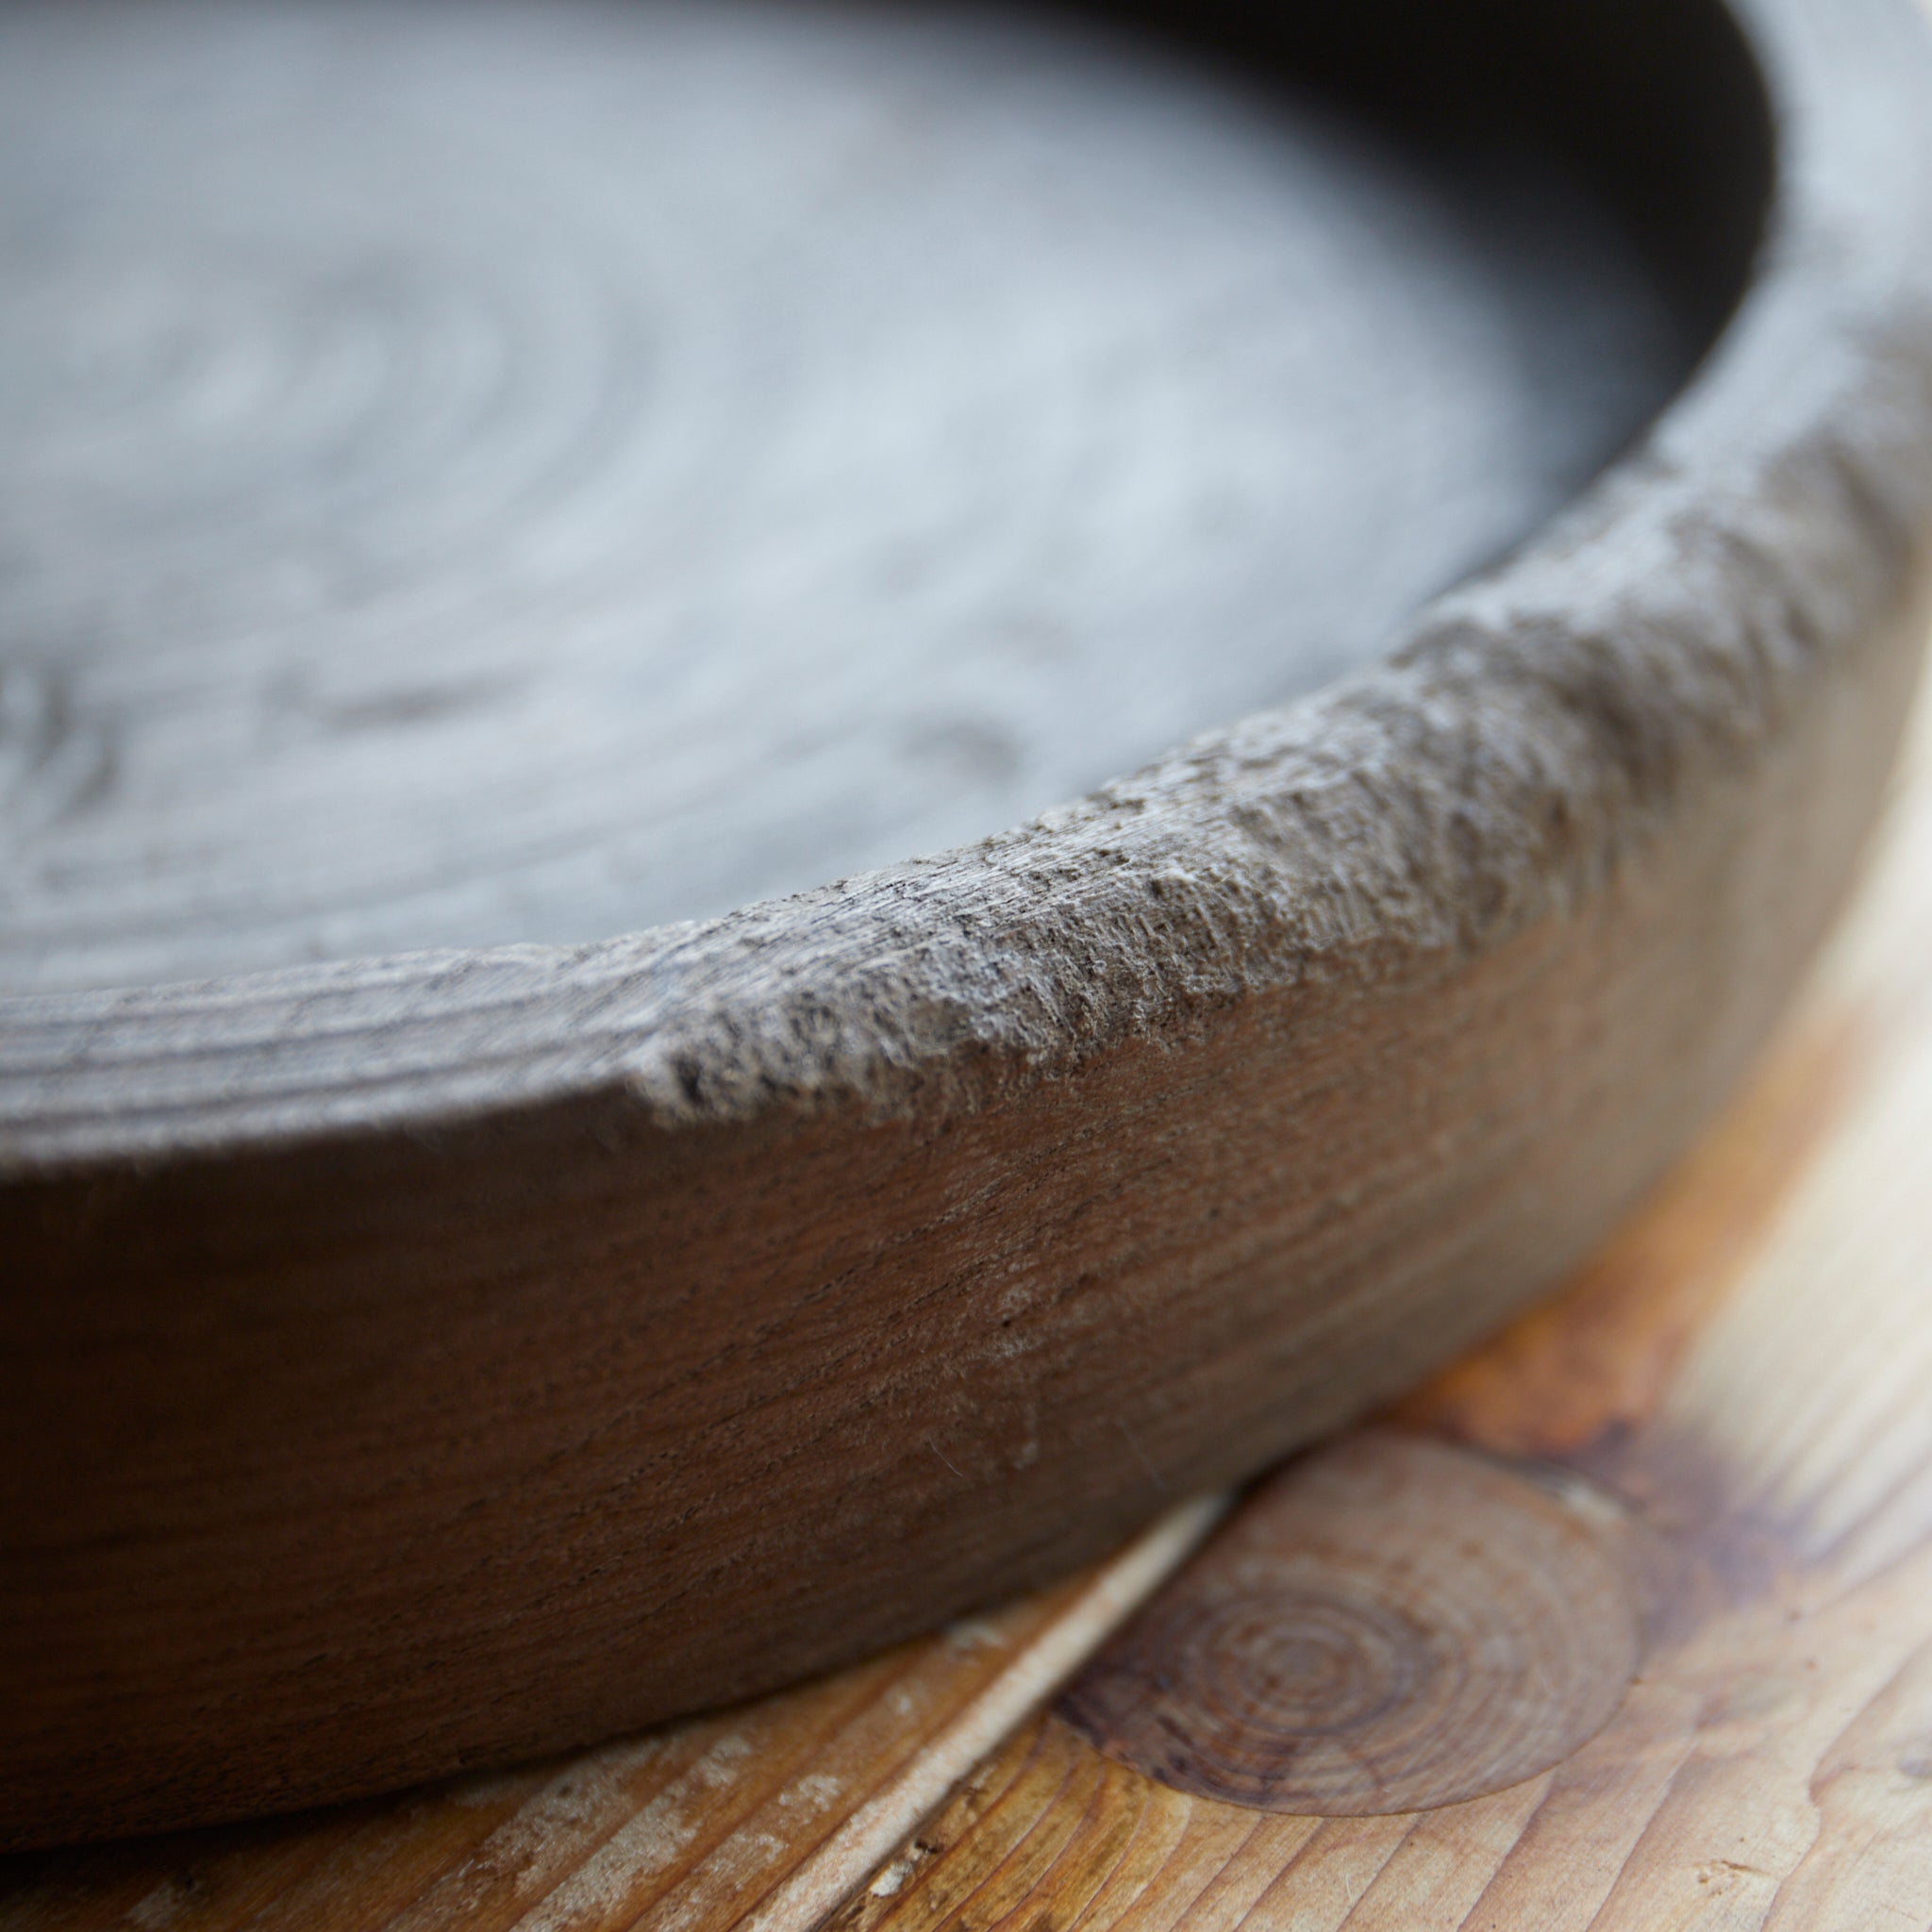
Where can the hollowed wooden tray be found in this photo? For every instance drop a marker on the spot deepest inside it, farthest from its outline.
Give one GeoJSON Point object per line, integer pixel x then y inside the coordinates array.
{"type": "Point", "coordinates": [493, 478]}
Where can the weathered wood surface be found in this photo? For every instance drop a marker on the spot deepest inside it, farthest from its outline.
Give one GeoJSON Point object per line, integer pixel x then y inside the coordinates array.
{"type": "Point", "coordinates": [574, 467]}
{"type": "Point", "coordinates": [1740, 1377]}
{"type": "Point", "coordinates": [453, 1358]}
{"type": "Point", "coordinates": [1745, 1375]}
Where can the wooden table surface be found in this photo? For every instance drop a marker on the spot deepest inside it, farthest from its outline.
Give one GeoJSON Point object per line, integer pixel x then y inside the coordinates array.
{"type": "Point", "coordinates": [1656, 1563]}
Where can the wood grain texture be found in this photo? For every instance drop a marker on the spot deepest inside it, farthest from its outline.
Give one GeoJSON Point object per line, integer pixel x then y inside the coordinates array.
{"type": "Point", "coordinates": [1741, 1367]}
{"type": "Point", "coordinates": [456, 1356]}
{"type": "Point", "coordinates": [1743, 1370]}
{"type": "Point", "coordinates": [571, 468]}
{"type": "Point", "coordinates": [779, 1808]}
{"type": "Point", "coordinates": [1389, 1625]}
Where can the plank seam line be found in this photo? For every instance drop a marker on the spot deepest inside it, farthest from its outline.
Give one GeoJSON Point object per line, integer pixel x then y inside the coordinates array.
{"type": "Point", "coordinates": [828, 1877]}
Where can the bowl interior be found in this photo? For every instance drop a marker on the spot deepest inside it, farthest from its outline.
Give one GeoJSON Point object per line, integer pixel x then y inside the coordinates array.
{"type": "Point", "coordinates": [482, 473]}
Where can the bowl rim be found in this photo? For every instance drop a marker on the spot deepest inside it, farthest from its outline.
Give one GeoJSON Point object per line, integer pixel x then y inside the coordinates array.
{"type": "Point", "coordinates": [1526, 734]}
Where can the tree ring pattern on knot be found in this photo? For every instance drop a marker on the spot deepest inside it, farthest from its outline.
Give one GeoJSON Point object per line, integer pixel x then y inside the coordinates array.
{"type": "Point", "coordinates": [1390, 1625]}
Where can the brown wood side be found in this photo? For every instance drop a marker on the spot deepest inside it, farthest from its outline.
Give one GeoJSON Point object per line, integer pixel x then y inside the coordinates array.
{"type": "Point", "coordinates": [1741, 1371]}
{"type": "Point", "coordinates": [1205, 1263]}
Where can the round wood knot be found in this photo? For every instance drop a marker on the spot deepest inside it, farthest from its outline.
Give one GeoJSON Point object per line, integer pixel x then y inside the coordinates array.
{"type": "Point", "coordinates": [1393, 1624]}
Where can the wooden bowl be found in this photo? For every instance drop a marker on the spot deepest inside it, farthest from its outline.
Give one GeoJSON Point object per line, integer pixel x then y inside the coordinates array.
{"type": "Point", "coordinates": [425, 1360]}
